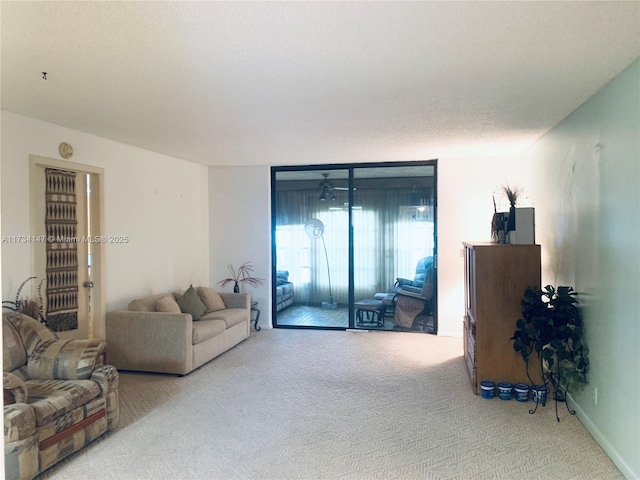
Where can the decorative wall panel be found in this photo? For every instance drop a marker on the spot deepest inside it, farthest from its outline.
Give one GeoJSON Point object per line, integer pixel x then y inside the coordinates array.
{"type": "Point", "coordinates": [62, 251]}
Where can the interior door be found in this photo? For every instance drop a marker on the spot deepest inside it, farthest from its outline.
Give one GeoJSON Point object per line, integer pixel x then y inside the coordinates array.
{"type": "Point", "coordinates": [64, 262]}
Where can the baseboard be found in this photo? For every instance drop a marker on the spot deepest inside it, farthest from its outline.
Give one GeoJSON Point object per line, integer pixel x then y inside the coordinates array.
{"type": "Point", "coordinates": [601, 440]}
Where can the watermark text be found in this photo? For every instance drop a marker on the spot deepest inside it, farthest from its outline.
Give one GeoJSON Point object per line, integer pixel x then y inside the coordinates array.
{"type": "Point", "coordinates": [63, 239]}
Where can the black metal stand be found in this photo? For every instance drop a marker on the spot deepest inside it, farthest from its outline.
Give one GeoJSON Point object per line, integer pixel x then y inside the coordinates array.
{"type": "Point", "coordinates": [254, 308]}
{"type": "Point", "coordinates": [559, 394]}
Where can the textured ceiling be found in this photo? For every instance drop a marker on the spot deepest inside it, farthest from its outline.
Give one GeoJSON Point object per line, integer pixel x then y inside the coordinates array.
{"type": "Point", "coordinates": [277, 83]}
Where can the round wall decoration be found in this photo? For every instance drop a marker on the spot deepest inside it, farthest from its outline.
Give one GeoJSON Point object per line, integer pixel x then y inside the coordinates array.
{"type": "Point", "coordinates": [66, 150]}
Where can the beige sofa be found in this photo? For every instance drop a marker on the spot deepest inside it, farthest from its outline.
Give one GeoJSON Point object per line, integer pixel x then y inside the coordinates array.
{"type": "Point", "coordinates": [58, 395]}
{"type": "Point", "coordinates": [154, 335]}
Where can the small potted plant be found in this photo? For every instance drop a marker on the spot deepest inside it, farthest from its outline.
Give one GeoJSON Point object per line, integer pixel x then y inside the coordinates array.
{"type": "Point", "coordinates": [551, 326]}
{"type": "Point", "coordinates": [244, 274]}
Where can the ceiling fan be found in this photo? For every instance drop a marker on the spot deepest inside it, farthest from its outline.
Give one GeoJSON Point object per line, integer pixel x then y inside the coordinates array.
{"type": "Point", "coordinates": [326, 188]}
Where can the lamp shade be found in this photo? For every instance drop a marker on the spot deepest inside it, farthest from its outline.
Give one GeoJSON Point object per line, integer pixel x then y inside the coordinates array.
{"type": "Point", "coordinates": [314, 228]}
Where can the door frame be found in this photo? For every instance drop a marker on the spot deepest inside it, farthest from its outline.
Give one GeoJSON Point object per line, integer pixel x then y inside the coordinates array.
{"type": "Point", "coordinates": [350, 167]}
{"type": "Point", "coordinates": [96, 327]}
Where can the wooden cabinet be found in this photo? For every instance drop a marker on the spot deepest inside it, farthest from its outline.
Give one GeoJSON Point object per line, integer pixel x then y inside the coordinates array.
{"type": "Point", "coordinates": [496, 277]}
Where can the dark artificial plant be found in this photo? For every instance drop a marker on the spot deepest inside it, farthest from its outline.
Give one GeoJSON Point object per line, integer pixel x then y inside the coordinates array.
{"type": "Point", "coordinates": [33, 307]}
{"type": "Point", "coordinates": [244, 274]}
{"type": "Point", "coordinates": [551, 326]}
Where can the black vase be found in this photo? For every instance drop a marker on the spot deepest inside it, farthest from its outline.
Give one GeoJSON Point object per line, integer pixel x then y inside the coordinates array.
{"type": "Point", "coordinates": [511, 222]}
{"type": "Point", "coordinates": [236, 288]}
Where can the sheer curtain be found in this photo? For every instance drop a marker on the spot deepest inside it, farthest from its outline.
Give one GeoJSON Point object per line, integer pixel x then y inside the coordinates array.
{"type": "Point", "coordinates": [390, 236]}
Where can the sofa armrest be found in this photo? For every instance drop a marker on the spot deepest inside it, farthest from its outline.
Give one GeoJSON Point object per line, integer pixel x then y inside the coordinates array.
{"type": "Point", "coordinates": [150, 341]}
{"type": "Point", "coordinates": [65, 359]}
{"type": "Point", "coordinates": [236, 300]}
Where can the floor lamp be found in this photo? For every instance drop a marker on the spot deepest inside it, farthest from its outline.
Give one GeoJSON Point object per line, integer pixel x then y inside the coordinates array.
{"type": "Point", "coordinates": [314, 228]}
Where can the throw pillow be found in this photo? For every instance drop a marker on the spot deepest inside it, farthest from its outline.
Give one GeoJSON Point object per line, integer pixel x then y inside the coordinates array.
{"type": "Point", "coordinates": [211, 299]}
{"type": "Point", "coordinates": [167, 304]}
{"type": "Point", "coordinates": [190, 303]}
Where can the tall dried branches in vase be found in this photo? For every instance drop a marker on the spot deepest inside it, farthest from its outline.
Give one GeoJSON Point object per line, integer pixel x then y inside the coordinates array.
{"type": "Point", "coordinates": [244, 274]}
{"type": "Point", "coordinates": [512, 194]}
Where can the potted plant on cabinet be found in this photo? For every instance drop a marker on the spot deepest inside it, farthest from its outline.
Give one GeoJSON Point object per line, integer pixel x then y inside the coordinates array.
{"type": "Point", "coordinates": [244, 274]}
{"type": "Point", "coordinates": [551, 328]}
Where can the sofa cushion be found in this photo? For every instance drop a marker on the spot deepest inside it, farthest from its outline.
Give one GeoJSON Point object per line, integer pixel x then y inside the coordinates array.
{"type": "Point", "coordinates": [190, 303]}
{"type": "Point", "coordinates": [205, 329]}
{"type": "Point", "coordinates": [167, 304]}
{"type": "Point", "coordinates": [14, 355]}
{"type": "Point", "coordinates": [231, 316]}
{"type": "Point", "coordinates": [211, 299]}
{"type": "Point", "coordinates": [31, 332]}
{"type": "Point", "coordinates": [51, 399]}
{"type": "Point", "coordinates": [145, 304]}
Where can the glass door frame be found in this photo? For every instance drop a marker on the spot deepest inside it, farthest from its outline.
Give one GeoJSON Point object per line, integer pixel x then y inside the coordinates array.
{"type": "Point", "coordinates": [350, 167]}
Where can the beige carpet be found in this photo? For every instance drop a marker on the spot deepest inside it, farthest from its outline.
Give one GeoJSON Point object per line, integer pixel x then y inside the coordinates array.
{"type": "Point", "coordinates": [310, 404]}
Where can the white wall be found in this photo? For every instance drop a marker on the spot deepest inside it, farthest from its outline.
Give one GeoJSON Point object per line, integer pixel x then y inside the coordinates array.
{"type": "Point", "coordinates": [587, 177]}
{"type": "Point", "coordinates": [465, 210]}
{"type": "Point", "coordinates": [159, 202]}
{"type": "Point", "coordinates": [240, 226]}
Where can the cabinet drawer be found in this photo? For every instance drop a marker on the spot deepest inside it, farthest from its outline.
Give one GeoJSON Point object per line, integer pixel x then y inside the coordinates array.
{"type": "Point", "coordinates": [471, 345]}
{"type": "Point", "coordinates": [471, 369]}
{"type": "Point", "coordinates": [470, 352]}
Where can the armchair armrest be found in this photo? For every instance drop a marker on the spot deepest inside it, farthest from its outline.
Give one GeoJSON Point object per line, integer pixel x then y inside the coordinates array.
{"type": "Point", "coordinates": [419, 299]}
{"type": "Point", "coordinates": [414, 292]}
{"type": "Point", "coordinates": [107, 377]}
{"type": "Point", "coordinates": [236, 300]}
{"type": "Point", "coordinates": [14, 389]}
{"type": "Point", "coordinates": [19, 424]}
{"type": "Point", "coordinates": [19, 417]}
{"type": "Point", "coordinates": [402, 282]}
{"type": "Point", "coordinates": [65, 359]}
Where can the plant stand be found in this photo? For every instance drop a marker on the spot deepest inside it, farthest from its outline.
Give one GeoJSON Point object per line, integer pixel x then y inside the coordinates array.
{"type": "Point", "coordinates": [551, 330]}
{"type": "Point", "coordinates": [550, 383]}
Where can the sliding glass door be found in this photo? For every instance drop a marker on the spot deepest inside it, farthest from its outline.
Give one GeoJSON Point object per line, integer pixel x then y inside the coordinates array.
{"type": "Point", "coordinates": [311, 246]}
{"type": "Point", "coordinates": [394, 247]}
{"type": "Point", "coordinates": [343, 235]}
